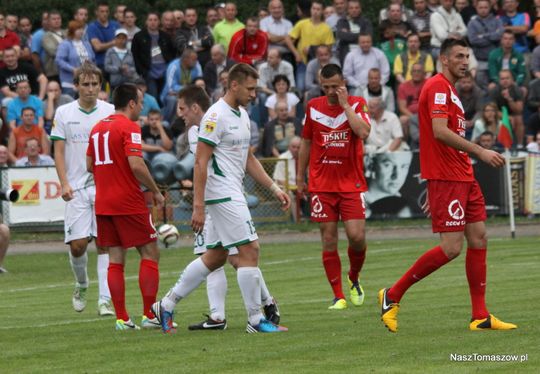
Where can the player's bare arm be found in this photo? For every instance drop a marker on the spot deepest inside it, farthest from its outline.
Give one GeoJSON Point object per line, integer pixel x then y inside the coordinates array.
{"type": "Point", "coordinates": [255, 169]}
{"type": "Point", "coordinates": [200, 174]}
{"type": "Point", "coordinates": [360, 127]}
{"type": "Point", "coordinates": [89, 164]}
{"type": "Point", "coordinates": [303, 160]}
{"type": "Point", "coordinates": [60, 164]}
{"type": "Point", "coordinates": [442, 133]}
{"type": "Point", "coordinates": [141, 172]}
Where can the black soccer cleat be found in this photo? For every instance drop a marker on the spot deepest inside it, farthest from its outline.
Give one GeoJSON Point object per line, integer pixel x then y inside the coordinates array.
{"type": "Point", "coordinates": [271, 312]}
{"type": "Point", "coordinates": [209, 324]}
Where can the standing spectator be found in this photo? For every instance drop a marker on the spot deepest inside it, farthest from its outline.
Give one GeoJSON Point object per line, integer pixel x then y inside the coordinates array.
{"type": "Point", "coordinates": [340, 11]}
{"type": "Point", "coordinates": [155, 137]}
{"type": "Point", "coordinates": [25, 35]}
{"type": "Point", "coordinates": [472, 99]}
{"type": "Point", "coordinates": [506, 57]}
{"type": "Point", "coordinates": [225, 29]}
{"type": "Point", "coordinates": [15, 72]}
{"type": "Point", "coordinates": [71, 54]}
{"type": "Point", "coordinates": [309, 33]}
{"type": "Point", "coordinates": [408, 96]}
{"type": "Point", "coordinates": [484, 34]}
{"type": "Point", "coordinates": [404, 61]}
{"type": "Point", "coordinates": [375, 89]}
{"type": "Point", "coordinates": [129, 24]}
{"type": "Point", "coordinates": [119, 13]}
{"type": "Point", "coordinates": [12, 22]}
{"type": "Point", "coordinates": [445, 23]}
{"type": "Point", "coordinates": [279, 132]}
{"type": "Point", "coordinates": [517, 23]}
{"type": "Point", "coordinates": [152, 50]}
{"type": "Point", "coordinates": [168, 24]}
{"type": "Point", "coordinates": [211, 18]}
{"type": "Point", "coordinates": [466, 10]}
{"type": "Point", "coordinates": [51, 40]}
{"type": "Point", "coordinates": [249, 45]}
{"type": "Point", "coordinates": [33, 156]}
{"type": "Point", "coordinates": [218, 63]}
{"type": "Point", "coordinates": [406, 13]}
{"type": "Point", "coordinates": [24, 99]}
{"type": "Point", "coordinates": [8, 39]}
{"type": "Point", "coordinates": [180, 73]}
{"type": "Point", "coordinates": [51, 102]}
{"type": "Point", "coordinates": [386, 133]}
{"type": "Point", "coordinates": [179, 18]}
{"type": "Point", "coordinates": [198, 37]}
{"type": "Point", "coordinates": [281, 87]}
{"type": "Point", "coordinates": [101, 32]}
{"type": "Point", "coordinates": [323, 57]}
{"type": "Point", "coordinates": [420, 22]}
{"type": "Point", "coordinates": [81, 15]}
{"type": "Point", "coordinates": [394, 27]}
{"type": "Point", "coordinates": [277, 27]}
{"type": "Point", "coordinates": [119, 61]}
{"type": "Point", "coordinates": [38, 53]}
{"type": "Point", "coordinates": [358, 63]}
{"type": "Point", "coordinates": [348, 29]}
{"type": "Point", "coordinates": [489, 120]}
{"type": "Point", "coordinates": [27, 130]}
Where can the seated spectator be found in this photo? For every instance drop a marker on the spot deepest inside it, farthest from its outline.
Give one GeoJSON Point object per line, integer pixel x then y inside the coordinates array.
{"type": "Point", "coordinates": [218, 62]}
{"type": "Point", "coordinates": [224, 30]}
{"type": "Point", "coordinates": [155, 137]}
{"type": "Point", "coordinates": [32, 155]}
{"type": "Point", "coordinates": [119, 62]}
{"type": "Point", "coordinates": [358, 63]}
{"type": "Point", "coordinates": [9, 39]}
{"type": "Point", "coordinates": [249, 45]}
{"type": "Point", "coordinates": [445, 23]}
{"type": "Point", "coordinates": [404, 62]}
{"type": "Point", "coordinates": [489, 120]}
{"type": "Point", "coordinates": [506, 57]}
{"type": "Point", "coordinates": [72, 52]}
{"type": "Point", "coordinates": [420, 22]}
{"type": "Point", "coordinates": [180, 73]}
{"type": "Point", "coordinates": [50, 42]}
{"type": "Point", "coordinates": [408, 96]}
{"type": "Point", "coordinates": [273, 66]}
{"type": "Point", "coordinates": [104, 96]}
{"type": "Point", "coordinates": [323, 57]}
{"type": "Point", "coordinates": [281, 87]}
{"type": "Point", "coordinates": [508, 94]}
{"type": "Point", "coordinates": [198, 37]}
{"type": "Point", "coordinates": [149, 101]}
{"type": "Point", "coordinates": [18, 137]}
{"type": "Point", "coordinates": [375, 89]}
{"type": "Point", "coordinates": [386, 134]}
{"type": "Point", "coordinates": [278, 133]}
{"type": "Point", "coordinates": [277, 27]}
{"type": "Point", "coordinates": [516, 22]}
{"type": "Point", "coordinates": [534, 146]}
{"type": "Point", "coordinates": [52, 101]}
{"type": "Point", "coordinates": [391, 49]}
{"type": "Point", "coordinates": [4, 157]}
{"type": "Point", "coordinates": [23, 100]}
{"type": "Point", "coordinates": [472, 98]}
{"type": "Point", "coordinates": [348, 29]}
{"type": "Point", "coordinates": [533, 103]}
{"type": "Point", "coordinates": [486, 140]}
{"type": "Point", "coordinates": [220, 92]}
{"type": "Point", "coordinates": [535, 62]}
{"type": "Point", "coordinates": [291, 155]}
{"type": "Point", "coordinates": [406, 13]}
{"type": "Point", "coordinates": [394, 27]}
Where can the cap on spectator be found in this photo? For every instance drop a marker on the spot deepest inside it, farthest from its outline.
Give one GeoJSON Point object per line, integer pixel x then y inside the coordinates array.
{"type": "Point", "coordinates": [220, 5]}
{"type": "Point", "coordinates": [120, 32]}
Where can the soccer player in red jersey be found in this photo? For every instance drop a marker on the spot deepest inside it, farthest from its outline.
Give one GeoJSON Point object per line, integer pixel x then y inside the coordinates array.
{"type": "Point", "coordinates": [332, 143]}
{"type": "Point", "coordinates": [123, 220]}
{"type": "Point", "coordinates": [455, 201]}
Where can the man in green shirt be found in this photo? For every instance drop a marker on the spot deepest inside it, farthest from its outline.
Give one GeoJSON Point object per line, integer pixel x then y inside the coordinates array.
{"type": "Point", "coordinates": [225, 29]}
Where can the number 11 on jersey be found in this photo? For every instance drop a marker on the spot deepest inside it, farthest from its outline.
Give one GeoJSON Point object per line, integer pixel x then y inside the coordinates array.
{"type": "Point", "coordinates": [107, 155]}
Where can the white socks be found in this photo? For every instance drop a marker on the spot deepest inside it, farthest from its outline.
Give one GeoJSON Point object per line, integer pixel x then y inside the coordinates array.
{"type": "Point", "coordinates": [102, 269]}
{"type": "Point", "coordinates": [192, 276]}
{"type": "Point", "coordinates": [79, 265]}
{"type": "Point", "coordinates": [249, 281]}
{"type": "Point", "coordinates": [266, 298]}
{"type": "Point", "coordinates": [216, 288]}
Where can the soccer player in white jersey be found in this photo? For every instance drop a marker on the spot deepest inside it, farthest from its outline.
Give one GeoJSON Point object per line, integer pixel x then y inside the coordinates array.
{"type": "Point", "coordinates": [222, 159]}
{"type": "Point", "coordinates": [193, 102]}
{"type": "Point", "coordinates": [70, 132]}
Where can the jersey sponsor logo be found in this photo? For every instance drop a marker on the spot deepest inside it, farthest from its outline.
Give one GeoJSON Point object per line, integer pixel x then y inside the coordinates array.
{"type": "Point", "coordinates": [440, 98]}
{"type": "Point", "coordinates": [317, 207]}
{"type": "Point", "coordinates": [455, 210]}
{"type": "Point", "coordinates": [136, 138]}
{"type": "Point", "coordinates": [335, 138]}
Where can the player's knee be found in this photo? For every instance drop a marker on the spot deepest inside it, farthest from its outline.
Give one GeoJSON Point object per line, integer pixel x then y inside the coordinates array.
{"type": "Point", "coordinates": [452, 251]}
{"type": "Point", "coordinates": [329, 240]}
{"type": "Point", "coordinates": [357, 242]}
{"type": "Point", "coordinates": [78, 247]}
{"type": "Point", "coordinates": [4, 232]}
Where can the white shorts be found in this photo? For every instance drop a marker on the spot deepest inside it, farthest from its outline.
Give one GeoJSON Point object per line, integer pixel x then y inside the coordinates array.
{"type": "Point", "coordinates": [231, 225]}
{"type": "Point", "coordinates": [199, 246]}
{"type": "Point", "coordinates": [80, 215]}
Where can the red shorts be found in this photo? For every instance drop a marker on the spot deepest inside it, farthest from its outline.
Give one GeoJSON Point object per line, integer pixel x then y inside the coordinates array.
{"type": "Point", "coordinates": [125, 231]}
{"type": "Point", "coordinates": [333, 206]}
{"type": "Point", "coordinates": [454, 204]}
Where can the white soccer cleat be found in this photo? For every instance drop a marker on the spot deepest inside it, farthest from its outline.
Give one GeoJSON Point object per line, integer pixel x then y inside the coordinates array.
{"type": "Point", "coordinates": [105, 309]}
{"type": "Point", "coordinates": [79, 299]}
{"type": "Point", "coordinates": [152, 323]}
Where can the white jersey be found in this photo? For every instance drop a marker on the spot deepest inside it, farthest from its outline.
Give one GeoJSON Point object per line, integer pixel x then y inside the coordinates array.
{"type": "Point", "coordinates": [73, 124]}
{"type": "Point", "coordinates": [228, 131]}
{"type": "Point", "coordinates": [193, 138]}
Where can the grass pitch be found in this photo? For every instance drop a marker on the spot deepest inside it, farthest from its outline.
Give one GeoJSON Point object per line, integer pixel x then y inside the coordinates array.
{"type": "Point", "coordinates": [40, 332]}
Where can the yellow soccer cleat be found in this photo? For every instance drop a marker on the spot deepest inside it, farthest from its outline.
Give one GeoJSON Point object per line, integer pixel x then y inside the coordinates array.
{"type": "Point", "coordinates": [338, 304]}
{"type": "Point", "coordinates": [490, 323]}
{"type": "Point", "coordinates": [389, 311]}
{"type": "Point", "coordinates": [357, 293]}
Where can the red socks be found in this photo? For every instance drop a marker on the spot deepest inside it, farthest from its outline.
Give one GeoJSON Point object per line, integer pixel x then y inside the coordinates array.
{"type": "Point", "coordinates": [475, 267]}
{"type": "Point", "coordinates": [115, 279]}
{"type": "Point", "coordinates": [149, 284]}
{"type": "Point", "coordinates": [425, 265]}
{"type": "Point", "coordinates": [356, 259]}
{"type": "Point", "coordinates": [332, 267]}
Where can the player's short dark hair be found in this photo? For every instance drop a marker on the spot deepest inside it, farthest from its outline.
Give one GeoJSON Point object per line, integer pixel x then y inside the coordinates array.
{"type": "Point", "coordinates": [450, 43]}
{"type": "Point", "coordinates": [85, 70]}
{"type": "Point", "coordinates": [195, 95]}
{"type": "Point", "coordinates": [123, 94]}
{"type": "Point", "coordinates": [28, 108]}
{"type": "Point", "coordinates": [328, 71]}
{"type": "Point", "coordinates": [240, 72]}
{"type": "Point", "coordinates": [154, 111]}
{"type": "Point", "coordinates": [281, 78]}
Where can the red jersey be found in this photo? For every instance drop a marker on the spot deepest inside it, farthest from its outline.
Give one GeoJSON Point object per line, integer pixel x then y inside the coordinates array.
{"type": "Point", "coordinates": [336, 157]}
{"type": "Point", "coordinates": [439, 99]}
{"type": "Point", "coordinates": [248, 49]}
{"type": "Point", "coordinates": [118, 192]}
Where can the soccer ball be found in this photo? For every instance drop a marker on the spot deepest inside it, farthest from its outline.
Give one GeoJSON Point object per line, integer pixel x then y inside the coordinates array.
{"type": "Point", "coordinates": [168, 234]}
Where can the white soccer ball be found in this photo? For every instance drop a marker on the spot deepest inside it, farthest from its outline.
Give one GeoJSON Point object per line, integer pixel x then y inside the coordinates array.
{"type": "Point", "coordinates": [168, 234]}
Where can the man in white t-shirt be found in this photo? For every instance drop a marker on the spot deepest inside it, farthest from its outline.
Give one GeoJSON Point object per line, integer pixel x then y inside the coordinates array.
{"type": "Point", "coordinates": [71, 129]}
{"type": "Point", "coordinates": [386, 133]}
{"type": "Point", "coordinates": [224, 138]}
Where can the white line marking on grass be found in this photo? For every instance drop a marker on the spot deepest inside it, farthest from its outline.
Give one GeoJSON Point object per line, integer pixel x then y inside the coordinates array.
{"type": "Point", "coordinates": [60, 323]}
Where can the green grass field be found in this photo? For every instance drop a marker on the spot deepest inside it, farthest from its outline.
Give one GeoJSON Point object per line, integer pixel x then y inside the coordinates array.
{"type": "Point", "coordinates": [40, 333]}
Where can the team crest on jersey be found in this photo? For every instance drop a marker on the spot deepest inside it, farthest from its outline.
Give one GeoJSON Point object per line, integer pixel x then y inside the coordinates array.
{"type": "Point", "coordinates": [440, 98]}
{"type": "Point", "coordinates": [136, 138]}
{"type": "Point", "coordinates": [210, 123]}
